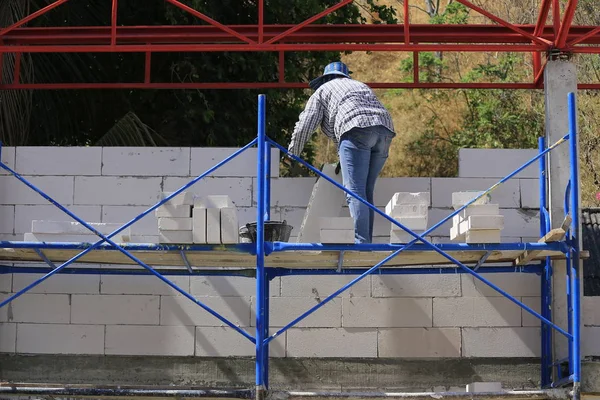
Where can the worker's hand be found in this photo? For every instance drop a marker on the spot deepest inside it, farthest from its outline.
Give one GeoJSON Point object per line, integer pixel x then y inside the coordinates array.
{"type": "Point", "coordinates": [338, 167]}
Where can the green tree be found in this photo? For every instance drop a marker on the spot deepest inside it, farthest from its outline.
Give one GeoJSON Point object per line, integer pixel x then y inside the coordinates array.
{"type": "Point", "coordinates": [173, 117]}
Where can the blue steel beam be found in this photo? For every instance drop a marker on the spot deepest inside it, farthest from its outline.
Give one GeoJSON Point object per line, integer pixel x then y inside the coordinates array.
{"type": "Point", "coordinates": [421, 238]}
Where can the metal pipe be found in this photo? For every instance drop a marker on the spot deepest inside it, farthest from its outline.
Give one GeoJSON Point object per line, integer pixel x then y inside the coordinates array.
{"type": "Point", "coordinates": [575, 245]}
{"type": "Point", "coordinates": [546, 282]}
{"type": "Point", "coordinates": [267, 174]}
{"type": "Point", "coordinates": [261, 280]}
{"type": "Point", "coordinates": [286, 246]}
{"type": "Point", "coordinates": [429, 244]}
{"type": "Point", "coordinates": [525, 394]}
{"type": "Point", "coordinates": [8, 269]}
{"type": "Point", "coordinates": [526, 269]}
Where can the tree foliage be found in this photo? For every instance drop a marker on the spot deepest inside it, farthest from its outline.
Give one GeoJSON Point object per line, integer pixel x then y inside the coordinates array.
{"type": "Point", "coordinates": [177, 117]}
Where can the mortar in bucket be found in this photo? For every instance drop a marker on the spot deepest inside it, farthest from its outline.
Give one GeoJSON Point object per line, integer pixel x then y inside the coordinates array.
{"type": "Point", "coordinates": [275, 231]}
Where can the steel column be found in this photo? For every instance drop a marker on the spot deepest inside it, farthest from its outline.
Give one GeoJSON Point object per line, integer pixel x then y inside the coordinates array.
{"type": "Point", "coordinates": [261, 279]}
{"type": "Point", "coordinates": [575, 242]}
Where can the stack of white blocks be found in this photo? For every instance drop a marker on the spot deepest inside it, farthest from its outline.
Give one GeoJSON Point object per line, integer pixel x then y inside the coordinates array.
{"type": "Point", "coordinates": [175, 219]}
{"type": "Point", "coordinates": [412, 211]}
{"type": "Point", "coordinates": [337, 230]}
{"type": "Point", "coordinates": [70, 231]}
{"type": "Point", "coordinates": [215, 220]}
{"type": "Point", "coordinates": [480, 222]}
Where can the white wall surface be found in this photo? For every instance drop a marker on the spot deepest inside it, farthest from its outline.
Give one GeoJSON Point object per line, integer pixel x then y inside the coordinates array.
{"type": "Point", "coordinates": [382, 316]}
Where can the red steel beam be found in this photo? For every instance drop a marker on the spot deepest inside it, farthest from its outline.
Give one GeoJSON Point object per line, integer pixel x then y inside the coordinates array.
{"type": "Point", "coordinates": [257, 85]}
{"type": "Point", "coordinates": [503, 22]}
{"type": "Point", "coordinates": [202, 34]}
{"type": "Point", "coordinates": [195, 48]}
{"type": "Point", "coordinates": [261, 20]}
{"type": "Point", "coordinates": [211, 21]}
{"type": "Point", "coordinates": [113, 23]}
{"type": "Point", "coordinates": [539, 29]}
{"type": "Point", "coordinates": [556, 16]}
{"type": "Point", "coordinates": [308, 21]}
{"type": "Point", "coordinates": [565, 26]}
{"type": "Point", "coordinates": [32, 16]}
{"type": "Point", "coordinates": [406, 22]}
{"type": "Point", "coordinates": [584, 37]}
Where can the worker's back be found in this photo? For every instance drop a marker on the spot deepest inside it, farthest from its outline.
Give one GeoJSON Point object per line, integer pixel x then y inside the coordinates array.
{"type": "Point", "coordinates": [348, 104]}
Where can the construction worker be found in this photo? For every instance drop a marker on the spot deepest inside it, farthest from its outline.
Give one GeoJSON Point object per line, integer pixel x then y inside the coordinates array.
{"type": "Point", "coordinates": [350, 114]}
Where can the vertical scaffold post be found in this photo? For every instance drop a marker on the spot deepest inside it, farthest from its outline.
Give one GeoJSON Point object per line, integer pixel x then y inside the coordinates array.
{"type": "Point", "coordinates": [260, 254]}
{"type": "Point", "coordinates": [267, 174]}
{"type": "Point", "coordinates": [267, 277]}
{"type": "Point", "coordinates": [575, 244]}
{"type": "Point", "coordinates": [546, 281]}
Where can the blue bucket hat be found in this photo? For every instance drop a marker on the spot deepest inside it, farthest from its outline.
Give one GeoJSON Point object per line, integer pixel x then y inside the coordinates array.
{"type": "Point", "coordinates": [334, 68]}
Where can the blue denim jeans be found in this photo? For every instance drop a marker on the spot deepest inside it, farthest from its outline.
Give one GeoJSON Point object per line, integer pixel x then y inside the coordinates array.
{"type": "Point", "coordinates": [363, 152]}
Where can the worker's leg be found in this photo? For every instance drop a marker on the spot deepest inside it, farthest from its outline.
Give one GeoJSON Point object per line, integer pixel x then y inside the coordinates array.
{"type": "Point", "coordinates": [379, 154]}
{"type": "Point", "coordinates": [355, 158]}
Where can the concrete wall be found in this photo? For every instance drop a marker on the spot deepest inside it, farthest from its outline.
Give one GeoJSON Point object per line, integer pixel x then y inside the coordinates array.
{"type": "Point", "coordinates": [427, 316]}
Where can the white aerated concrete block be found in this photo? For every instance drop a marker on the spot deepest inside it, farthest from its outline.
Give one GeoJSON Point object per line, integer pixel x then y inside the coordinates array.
{"type": "Point", "coordinates": [459, 199]}
{"type": "Point", "coordinates": [8, 158]}
{"type": "Point", "coordinates": [399, 236]}
{"type": "Point", "coordinates": [174, 224]}
{"type": "Point", "coordinates": [227, 286]}
{"type": "Point", "coordinates": [412, 223]}
{"type": "Point", "coordinates": [75, 228]}
{"type": "Point", "coordinates": [213, 226]}
{"type": "Point", "coordinates": [410, 198]}
{"type": "Point", "coordinates": [442, 285]}
{"type": "Point", "coordinates": [336, 223]}
{"type": "Point", "coordinates": [590, 345]}
{"type": "Point", "coordinates": [115, 309]}
{"type": "Point", "coordinates": [214, 201]}
{"type": "Point", "coordinates": [590, 310]}
{"type": "Point", "coordinates": [407, 211]}
{"type": "Point", "coordinates": [148, 225]}
{"type": "Point", "coordinates": [150, 340]}
{"type": "Point", "coordinates": [60, 339]}
{"type": "Point", "coordinates": [175, 237]}
{"type": "Point", "coordinates": [385, 188]}
{"type": "Point", "coordinates": [60, 188]}
{"type": "Point", "coordinates": [325, 342]}
{"type": "Point", "coordinates": [8, 338]}
{"type": "Point", "coordinates": [501, 342]}
{"type": "Point", "coordinates": [168, 211]}
{"type": "Point", "coordinates": [182, 199]}
{"type": "Point", "coordinates": [484, 387]}
{"type": "Point", "coordinates": [134, 285]}
{"type": "Point", "coordinates": [179, 310]}
{"type": "Point", "coordinates": [337, 236]}
{"type": "Point", "coordinates": [323, 286]}
{"type": "Point", "coordinates": [507, 195]}
{"type": "Point", "coordinates": [482, 222]}
{"type": "Point", "coordinates": [239, 190]}
{"type": "Point", "coordinates": [476, 210]}
{"type": "Point", "coordinates": [475, 311]}
{"type": "Point", "coordinates": [243, 165]}
{"type": "Point", "coordinates": [24, 215]}
{"type": "Point", "coordinates": [146, 161]}
{"type": "Point", "coordinates": [41, 308]}
{"type": "Point", "coordinates": [117, 191]}
{"type": "Point", "coordinates": [58, 238]}
{"type": "Point", "coordinates": [7, 219]}
{"type": "Point", "coordinates": [59, 283]}
{"type": "Point", "coordinates": [229, 226]}
{"type": "Point", "coordinates": [483, 236]}
{"type": "Point", "coordinates": [516, 284]}
{"type": "Point", "coordinates": [391, 312]}
{"type": "Point", "coordinates": [153, 239]}
{"type": "Point", "coordinates": [495, 163]}
{"type": "Point", "coordinates": [419, 342]}
{"type": "Point", "coordinates": [199, 225]}
{"type": "Point", "coordinates": [45, 160]}
{"type": "Point", "coordinates": [282, 308]}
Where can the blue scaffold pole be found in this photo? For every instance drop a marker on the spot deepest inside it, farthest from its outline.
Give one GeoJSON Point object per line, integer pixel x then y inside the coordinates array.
{"type": "Point", "coordinates": [546, 278]}
{"type": "Point", "coordinates": [261, 281]}
{"type": "Point", "coordinates": [575, 247]}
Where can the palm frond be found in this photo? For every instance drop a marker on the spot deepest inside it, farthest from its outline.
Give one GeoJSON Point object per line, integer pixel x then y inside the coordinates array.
{"type": "Point", "coordinates": [131, 131]}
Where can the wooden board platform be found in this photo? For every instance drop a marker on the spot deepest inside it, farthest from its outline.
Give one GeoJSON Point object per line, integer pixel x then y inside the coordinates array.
{"type": "Point", "coordinates": [290, 259]}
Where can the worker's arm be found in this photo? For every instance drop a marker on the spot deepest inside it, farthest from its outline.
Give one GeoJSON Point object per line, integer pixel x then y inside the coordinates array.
{"type": "Point", "coordinates": [307, 124]}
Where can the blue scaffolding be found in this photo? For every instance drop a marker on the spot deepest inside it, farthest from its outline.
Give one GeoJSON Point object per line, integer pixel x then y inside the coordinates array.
{"type": "Point", "coordinates": [252, 260]}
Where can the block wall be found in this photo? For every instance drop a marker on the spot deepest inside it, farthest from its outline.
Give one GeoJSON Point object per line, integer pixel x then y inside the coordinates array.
{"type": "Point", "coordinates": [427, 316]}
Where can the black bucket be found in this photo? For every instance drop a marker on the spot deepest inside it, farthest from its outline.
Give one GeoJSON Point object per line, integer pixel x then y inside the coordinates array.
{"type": "Point", "coordinates": [275, 231]}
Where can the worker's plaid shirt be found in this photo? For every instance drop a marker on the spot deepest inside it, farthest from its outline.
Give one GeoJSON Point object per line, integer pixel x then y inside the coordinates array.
{"type": "Point", "coordinates": [338, 106]}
